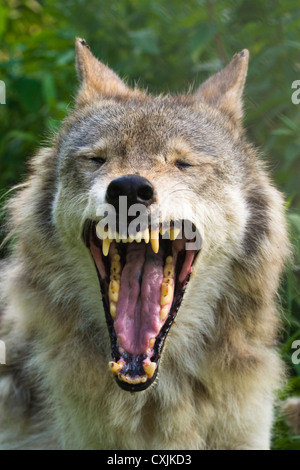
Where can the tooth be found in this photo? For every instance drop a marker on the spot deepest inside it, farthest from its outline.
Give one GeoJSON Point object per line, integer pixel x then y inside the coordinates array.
{"type": "Point", "coordinates": [113, 310]}
{"type": "Point", "coordinates": [113, 290]}
{"type": "Point", "coordinates": [166, 294]}
{"type": "Point", "coordinates": [105, 246]}
{"type": "Point", "coordinates": [115, 367]}
{"type": "Point", "coordinates": [130, 239]}
{"type": "Point", "coordinates": [138, 237]}
{"type": "Point", "coordinates": [101, 231]}
{"type": "Point", "coordinates": [163, 230]}
{"type": "Point", "coordinates": [116, 267]}
{"type": "Point", "coordinates": [151, 342]}
{"type": "Point", "coordinates": [117, 257]}
{"type": "Point", "coordinates": [174, 232]}
{"type": "Point", "coordinates": [169, 260]}
{"type": "Point", "coordinates": [117, 237]}
{"type": "Point", "coordinates": [155, 241]}
{"type": "Point", "coordinates": [168, 270]}
{"type": "Point", "coordinates": [150, 369]}
{"type": "Point", "coordinates": [164, 312]}
{"type": "Point", "coordinates": [124, 378]}
{"type": "Point", "coordinates": [114, 286]}
{"type": "Point", "coordinates": [169, 281]}
{"type": "Point", "coordinates": [146, 235]}
{"type": "Point", "coordinates": [111, 234]}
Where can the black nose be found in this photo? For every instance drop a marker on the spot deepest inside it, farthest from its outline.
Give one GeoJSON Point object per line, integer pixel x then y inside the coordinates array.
{"type": "Point", "coordinates": [137, 189]}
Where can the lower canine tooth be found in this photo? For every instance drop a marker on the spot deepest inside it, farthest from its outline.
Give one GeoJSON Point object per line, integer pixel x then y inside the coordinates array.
{"type": "Point", "coordinates": [115, 367]}
{"type": "Point", "coordinates": [150, 369]}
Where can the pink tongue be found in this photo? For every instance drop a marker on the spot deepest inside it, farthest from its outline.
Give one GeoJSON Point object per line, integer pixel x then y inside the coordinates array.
{"type": "Point", "coordinates": [138, 306]}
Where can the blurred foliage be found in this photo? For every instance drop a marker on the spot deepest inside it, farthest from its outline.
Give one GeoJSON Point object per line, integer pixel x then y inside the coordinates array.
{"type": "Point", "coordinates": [165, 46]}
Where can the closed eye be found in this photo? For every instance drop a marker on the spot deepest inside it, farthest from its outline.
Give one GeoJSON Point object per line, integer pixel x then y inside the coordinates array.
{"type": "Point", "coordinates": [98, 160]}
{"type": "Point", "coordinates": [182, 164]}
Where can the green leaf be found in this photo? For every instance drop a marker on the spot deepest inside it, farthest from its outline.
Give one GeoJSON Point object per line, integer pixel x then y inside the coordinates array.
{"type": "Point", "coordinates": [294, 219]}
{"type": "Point", "coordinates": [144, 41]}
{"type": "Point", "coordinates": [3, 19]}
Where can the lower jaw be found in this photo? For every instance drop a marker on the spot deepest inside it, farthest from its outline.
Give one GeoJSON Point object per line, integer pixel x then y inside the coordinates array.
{"type": "Point", "coordinates": [134, 367]}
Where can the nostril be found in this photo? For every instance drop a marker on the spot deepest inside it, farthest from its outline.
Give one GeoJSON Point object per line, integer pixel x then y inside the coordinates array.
{"type": "Point", "coordinates": [145, 192]}
{"type": "Point", "coordinates": [114, 190]}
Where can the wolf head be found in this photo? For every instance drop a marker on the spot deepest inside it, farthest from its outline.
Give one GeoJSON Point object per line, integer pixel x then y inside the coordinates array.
{"type": "Point", "coordinates": [194, 227]}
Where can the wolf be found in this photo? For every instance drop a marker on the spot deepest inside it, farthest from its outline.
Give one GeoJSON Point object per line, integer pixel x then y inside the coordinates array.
{"type": "Point", "coordinates": [144, 340]}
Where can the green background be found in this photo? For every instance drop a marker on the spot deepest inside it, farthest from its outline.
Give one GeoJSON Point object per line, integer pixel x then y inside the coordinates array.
{"type": "Point", "coordinates": [164, 46]}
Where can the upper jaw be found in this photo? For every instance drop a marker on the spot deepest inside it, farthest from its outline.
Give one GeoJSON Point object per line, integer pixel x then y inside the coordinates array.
{"type": "Point", "coordinates": [158, 265]}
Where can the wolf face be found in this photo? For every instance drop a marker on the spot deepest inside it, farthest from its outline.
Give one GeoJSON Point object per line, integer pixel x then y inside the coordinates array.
{"type": "Point", "coordinates": [150, 242]}
{"type": "Point", "coordinates": [181, 159]}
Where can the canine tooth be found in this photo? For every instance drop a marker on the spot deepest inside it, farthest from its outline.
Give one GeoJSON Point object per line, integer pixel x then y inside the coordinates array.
{"type": "Point", "coordinates": [169, 270]}
{"type": "Point", "coordinates": [105, 246]}
{"type": "Point", "coordinates": [155, 241]}
{"type": "Point", "coordinates": [113, 310]}
{"type": "Point", "coordinates": [115, 367]}
{"type": "Point", "coordinates": [151, 342]}
{"type": "Point", "coordinates": [113, 290]}
{"type": "Point", "coordinates": [150, 369]}
{"type": "Point", "coordinates": [164, 313]}
{"type": "Point", "coordinates": [146, 235]}
{"type": "Point", "coordinates": [166, 293]}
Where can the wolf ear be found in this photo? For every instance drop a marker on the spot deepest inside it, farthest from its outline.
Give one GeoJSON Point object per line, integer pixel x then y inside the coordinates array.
{"type": "Point", "coordinates": [96, 79]}
{"type": "Point", "coordinates": [224, 89]}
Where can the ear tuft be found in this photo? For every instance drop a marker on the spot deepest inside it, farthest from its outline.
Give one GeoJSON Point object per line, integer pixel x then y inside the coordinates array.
{"type": "Point", "coordinates": [224, 90]}
{"type": "Point", "coordinates": [84, 43]}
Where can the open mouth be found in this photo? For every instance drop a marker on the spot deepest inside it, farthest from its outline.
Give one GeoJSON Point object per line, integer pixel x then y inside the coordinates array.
{"type": "Point", "coordinates": [142, 283]}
